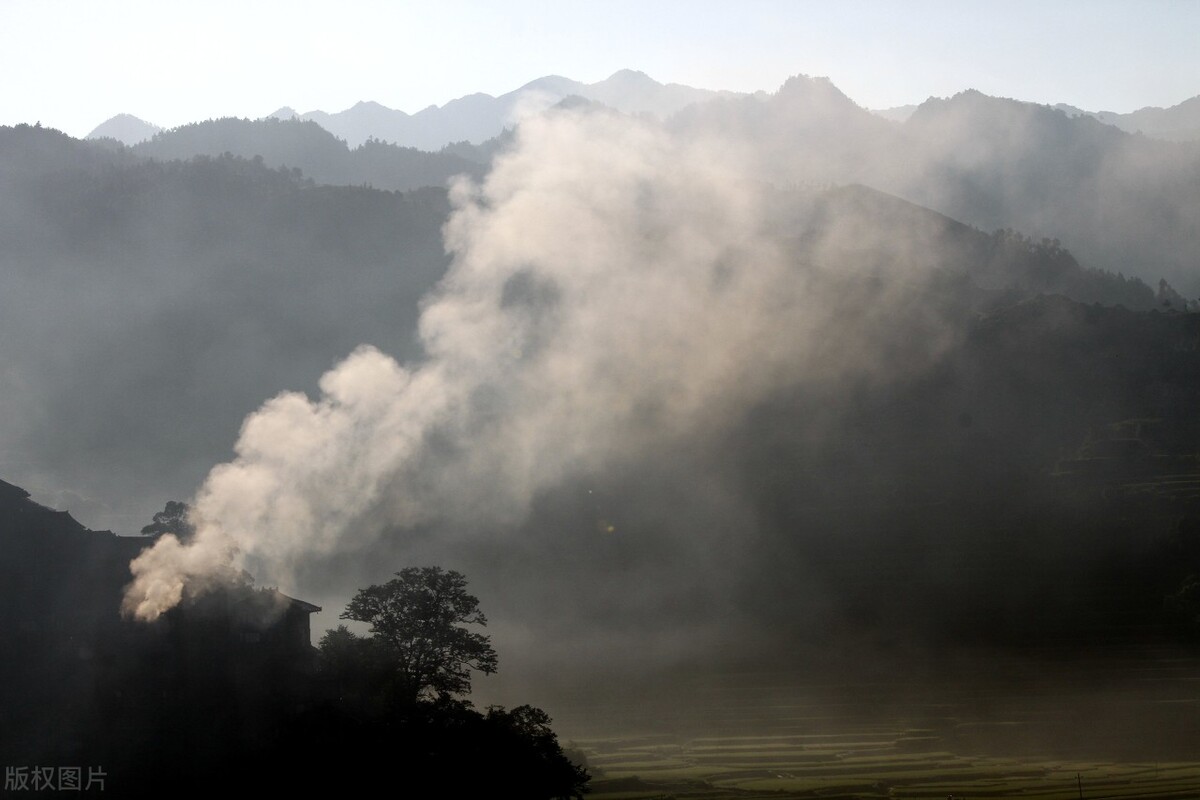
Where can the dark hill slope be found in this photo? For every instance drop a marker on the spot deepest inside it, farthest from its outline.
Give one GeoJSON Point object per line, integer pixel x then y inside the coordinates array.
{"type": "Point", "coordinates": [1119, 201]}
{"type": "Point", "coordinates": [869, 227]}
{"type": "Point", "coordinates": [985, 499]}
{"type": "Point", "coordinates": [60, 591]}
{"type": "Point", "coordinates": [311, 149]}
{"type": "Point", "coordinates": [146, 307]}
{"type": "Point", "coordinates": [31, 152]}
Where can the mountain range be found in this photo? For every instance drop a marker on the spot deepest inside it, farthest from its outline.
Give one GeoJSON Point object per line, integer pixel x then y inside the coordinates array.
{"type": "Point", "coordinates": [1118, 201]}
{"type": "Point", "coordinates": [473, 118]}
{"type": "Point", "coordinates": [1179, 123]}
{"type": "Point", "coordinates": [477, 117]}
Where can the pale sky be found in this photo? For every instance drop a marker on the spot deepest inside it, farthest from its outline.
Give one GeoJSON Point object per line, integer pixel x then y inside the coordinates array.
{"type": "Point", "coordinates": [71, 65]}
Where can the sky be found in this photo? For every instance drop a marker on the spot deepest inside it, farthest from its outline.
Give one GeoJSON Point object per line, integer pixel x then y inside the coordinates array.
{"type": "Point", "coordinates": [71, 65]}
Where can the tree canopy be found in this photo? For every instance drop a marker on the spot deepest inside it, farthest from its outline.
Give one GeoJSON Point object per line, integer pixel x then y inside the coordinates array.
{"type": "Point", "coordinates": [172, 519]}
{"type": "Point", "coordinates": [418, 620]}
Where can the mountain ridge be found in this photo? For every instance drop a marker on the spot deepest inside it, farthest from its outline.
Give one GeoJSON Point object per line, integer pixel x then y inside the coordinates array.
{"type": "Point", "coordinates": [478, 116]}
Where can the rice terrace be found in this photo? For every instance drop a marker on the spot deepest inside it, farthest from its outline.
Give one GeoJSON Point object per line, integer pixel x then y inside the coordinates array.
{"type": "Point", "coordinates": [830, 767]}
{"type": "Point", "coordinates": [762, 740]}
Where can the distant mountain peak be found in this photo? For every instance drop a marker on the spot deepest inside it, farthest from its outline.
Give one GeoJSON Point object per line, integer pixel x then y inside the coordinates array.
{"type": "Point", "coordinates": [813, 93]}
{"type": "Point", "coordinates": [811, 83]}
{"type": "Point", "coordinates": [125, 128]}
{"type": "Point", "coordinates": [971, 101]}
{"type": "Point", "coordinates": [631, 75]}
{"type": "Point", "coordinates": [555, 84]}
{"type": "Point", "coordinates": [286, 112]}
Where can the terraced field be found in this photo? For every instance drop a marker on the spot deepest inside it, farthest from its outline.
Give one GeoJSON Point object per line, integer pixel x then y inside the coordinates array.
{"type": "Point", "coordinates": [874, 766]}
{"type": "Point", "coordinates": [1129, 728]}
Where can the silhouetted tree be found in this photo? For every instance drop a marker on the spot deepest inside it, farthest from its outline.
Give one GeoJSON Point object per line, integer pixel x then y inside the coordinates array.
{"type": "Point", "coordinates": [418, 620]}
{"type": "Point", "coordinates": [172, 519]}
{"type": "Point", "coordinates": [393, 712]}
{"type": "Point", "coordinates": [525, 747]}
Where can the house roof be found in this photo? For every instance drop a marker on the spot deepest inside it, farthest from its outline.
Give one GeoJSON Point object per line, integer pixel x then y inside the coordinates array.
{"type": "Point", "coordinates": [302, 605]}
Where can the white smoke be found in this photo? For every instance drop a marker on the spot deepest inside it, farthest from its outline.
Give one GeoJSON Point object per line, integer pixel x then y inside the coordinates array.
{"type": "Point", "coordinates": [611, 289]}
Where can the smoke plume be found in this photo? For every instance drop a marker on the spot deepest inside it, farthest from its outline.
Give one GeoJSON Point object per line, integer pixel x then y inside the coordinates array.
{"type": "Point", "coordinates": [613, 289]}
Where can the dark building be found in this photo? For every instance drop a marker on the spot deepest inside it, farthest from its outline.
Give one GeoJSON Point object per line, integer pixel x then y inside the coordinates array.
{"type": "Point", "coordinates": [82, 686]}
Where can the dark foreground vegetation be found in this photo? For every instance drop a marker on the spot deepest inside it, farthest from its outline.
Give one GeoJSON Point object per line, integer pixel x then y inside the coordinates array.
{"type": "Point", "coordinates": [225, 693]}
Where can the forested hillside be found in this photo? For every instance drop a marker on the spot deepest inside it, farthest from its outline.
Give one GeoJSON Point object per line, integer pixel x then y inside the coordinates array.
{"type": "Point", "coordinates": [146, 305]}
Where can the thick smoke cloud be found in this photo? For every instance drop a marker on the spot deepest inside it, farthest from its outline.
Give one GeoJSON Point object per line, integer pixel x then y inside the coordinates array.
{"type": "Point", "coordinates": [613, 290]}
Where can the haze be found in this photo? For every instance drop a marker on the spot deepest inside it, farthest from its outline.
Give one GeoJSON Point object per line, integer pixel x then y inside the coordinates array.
{"type": "Point", "coordinates": [81, 63]}
{"type": "Point", "coordinates": [754, 417]}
